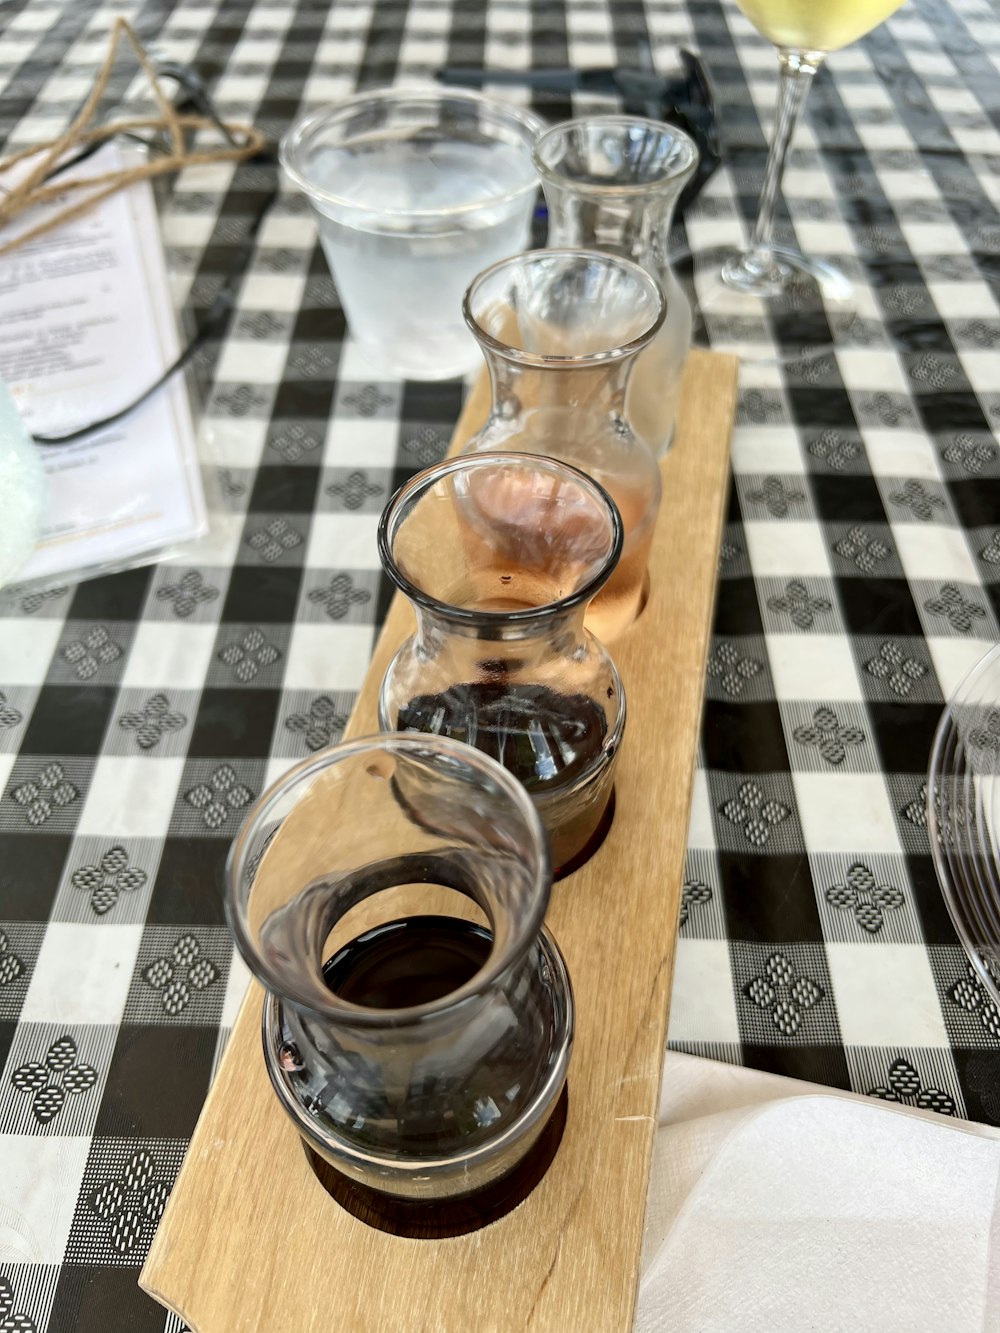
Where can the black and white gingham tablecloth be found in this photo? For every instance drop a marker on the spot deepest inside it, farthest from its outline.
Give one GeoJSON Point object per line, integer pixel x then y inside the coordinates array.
{"type": "Point", "coordinates": [860, 577]}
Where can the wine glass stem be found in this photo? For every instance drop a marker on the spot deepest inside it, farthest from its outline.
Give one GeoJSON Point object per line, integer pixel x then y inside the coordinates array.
{"type": "Point", "coordinates": [797, 70]}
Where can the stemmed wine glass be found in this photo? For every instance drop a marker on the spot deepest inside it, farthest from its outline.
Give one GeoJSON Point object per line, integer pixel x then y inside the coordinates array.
{"type": "Point", "coordinates": [744, 294]}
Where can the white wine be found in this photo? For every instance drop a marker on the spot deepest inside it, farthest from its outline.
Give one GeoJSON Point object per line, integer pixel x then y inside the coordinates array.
{"type": "Point", "coordinates": [816, 25]}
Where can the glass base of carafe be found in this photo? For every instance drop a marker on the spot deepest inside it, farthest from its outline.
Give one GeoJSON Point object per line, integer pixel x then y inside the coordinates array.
{"type": "Point", "coordinates": [576, 811]}
{"type": "Point", "coordinates": [433, 1177]}
{"type": "Point", "coordinates": [438, 1220]}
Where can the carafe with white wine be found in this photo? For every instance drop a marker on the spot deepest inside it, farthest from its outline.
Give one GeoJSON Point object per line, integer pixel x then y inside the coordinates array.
{"type": "Point", "coordinates": [750, 288]}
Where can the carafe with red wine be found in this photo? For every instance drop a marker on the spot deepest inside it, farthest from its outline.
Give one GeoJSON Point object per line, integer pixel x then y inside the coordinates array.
{"type": "Point", "coordinates": [389, 893]}
{"type": "Point", "coordinates": [500, 555]}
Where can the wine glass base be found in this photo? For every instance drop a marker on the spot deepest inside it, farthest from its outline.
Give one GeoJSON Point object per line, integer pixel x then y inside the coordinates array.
{"type": "Point", "coordinates": [785, 308]}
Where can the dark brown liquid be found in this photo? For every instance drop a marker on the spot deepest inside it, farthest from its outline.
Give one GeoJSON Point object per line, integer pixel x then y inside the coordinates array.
{"type": "Point", "coordinates": [406, 963]}
{"type": "Point", "coordinates": [449, 1217]}
{"type": "Point", "coordinates": [544, 738]}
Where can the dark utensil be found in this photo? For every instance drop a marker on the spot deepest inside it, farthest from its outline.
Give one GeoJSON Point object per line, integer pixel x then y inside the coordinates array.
{"type": "Point", "coordinates": [686, 101]}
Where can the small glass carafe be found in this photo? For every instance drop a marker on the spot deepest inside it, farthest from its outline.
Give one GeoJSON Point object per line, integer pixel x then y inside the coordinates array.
{"type": "Point", "coordinates": [499, 555]}
{"type": "Point", "coordinates": [560, 331]}
{"type": "Point", "coordinates": [611, 183]}
{"type": "Point", "coordinates": [424, 1057]}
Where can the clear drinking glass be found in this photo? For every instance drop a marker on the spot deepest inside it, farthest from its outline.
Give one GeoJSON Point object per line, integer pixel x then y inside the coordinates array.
{"type": "Point", "coordinates": [414, 192]}
{"type": "Point", "coordinates": [422, 1057]}
{"type": "Point", "coordinates": [500, 555]}
{"type": "Point", "coordinates": [963, 820]}
{"type": "Point", "coordinates": [611, 183]}
{"type": "Point", "coordinates": [561, 331]}
{"type": "Point", "coordinates": [747, 296]}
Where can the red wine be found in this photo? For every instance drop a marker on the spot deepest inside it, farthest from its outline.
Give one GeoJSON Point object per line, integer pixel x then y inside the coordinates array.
{"type": "Point", "coordinates": [410, 962]}
{"type": "Point", "coordinates": [545, 739]}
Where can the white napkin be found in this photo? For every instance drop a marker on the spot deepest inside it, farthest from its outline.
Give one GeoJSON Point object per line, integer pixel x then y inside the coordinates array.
{"type": "Point", "coordinates": [777, 1206]}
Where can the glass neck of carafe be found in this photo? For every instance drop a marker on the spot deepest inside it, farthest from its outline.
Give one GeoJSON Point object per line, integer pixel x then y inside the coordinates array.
{"type": "Point", "coordinates": [635, 226]}
{"type": "Point", "coordinates": [496, 645]}
{"type": "Point", "coordinates": [549, 385]}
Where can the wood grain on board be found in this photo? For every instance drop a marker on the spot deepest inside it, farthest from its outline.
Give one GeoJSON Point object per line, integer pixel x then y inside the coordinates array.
{"type": "Point", "coordinates": [251, 1242]}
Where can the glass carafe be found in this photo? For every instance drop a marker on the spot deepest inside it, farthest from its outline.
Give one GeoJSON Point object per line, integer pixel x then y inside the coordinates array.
{"type": "Point", "coordinates": [560, 331]}
{"type": "Point", "coordinates": [499, 555]}
{"type": "Point", "coordinates": [611, 183]}
{"type": "Point", "coordinates": [423, 1057]}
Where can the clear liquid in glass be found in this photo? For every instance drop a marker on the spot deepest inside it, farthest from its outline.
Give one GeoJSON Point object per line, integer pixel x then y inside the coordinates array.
{"type": "Point", "coordinates": [401, 279]}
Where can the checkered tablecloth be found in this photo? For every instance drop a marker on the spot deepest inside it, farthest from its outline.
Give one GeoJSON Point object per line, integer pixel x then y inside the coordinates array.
{"type": "Point", "coordinates": [860, 577]}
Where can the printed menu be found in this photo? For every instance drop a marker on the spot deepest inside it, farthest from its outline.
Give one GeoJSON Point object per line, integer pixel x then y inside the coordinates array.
{"type": "Point", "coordinates": [87, 325]}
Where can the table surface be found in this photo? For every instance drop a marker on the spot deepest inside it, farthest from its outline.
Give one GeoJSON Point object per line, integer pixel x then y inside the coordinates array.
{"type": "Point", "coordinates": [860, 578]}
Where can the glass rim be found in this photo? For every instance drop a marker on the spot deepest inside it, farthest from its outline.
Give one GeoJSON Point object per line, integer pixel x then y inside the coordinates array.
{"type": "Point", "coordinates": [497, 961]}
{"type": "Point", "coordinates": [291, 141]}
{"type": "Point", "coordinates": [608, 188]}
{"type": "Point", "coordinates": [422, 482]}
{"type": "Point", "coordinates": [939, 770]}
{"type": "Point", "coordinates": [583, 361]}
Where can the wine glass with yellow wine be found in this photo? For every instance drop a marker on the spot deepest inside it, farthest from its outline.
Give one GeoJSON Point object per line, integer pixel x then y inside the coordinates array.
{"type": "Point", "coordinates": [768, 294]}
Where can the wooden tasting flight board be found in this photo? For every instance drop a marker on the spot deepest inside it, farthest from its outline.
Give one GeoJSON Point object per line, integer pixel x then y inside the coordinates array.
{"type": "Point", "coordinates": [251, 1243]}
